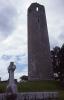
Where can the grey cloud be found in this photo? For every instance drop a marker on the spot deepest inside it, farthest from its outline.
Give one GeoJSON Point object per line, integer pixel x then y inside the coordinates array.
{"type": "Point", "coordinates": [6, 57]}
{"type": "Point", "coordinates": [61, 36]}
{"type": "Point", "coordinates": [17, 57]}
{"type": "Point", "coordinates": [53, 42]}
{"type": "Point", "coordinates": [55, 19]}
{"type": "Point", "coordinates": [7, 20]}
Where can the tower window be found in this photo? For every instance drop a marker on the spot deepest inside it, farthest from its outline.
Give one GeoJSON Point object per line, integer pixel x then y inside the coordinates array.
{"type": "Point", "coordinates": [37, 9]}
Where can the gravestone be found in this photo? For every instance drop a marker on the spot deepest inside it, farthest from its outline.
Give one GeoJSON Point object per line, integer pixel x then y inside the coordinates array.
{"type": "Point", "coordinates": [11, 88]}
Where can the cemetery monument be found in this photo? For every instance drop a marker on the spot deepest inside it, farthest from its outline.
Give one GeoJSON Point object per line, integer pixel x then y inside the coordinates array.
{"type": "Point", "coordinates": [11, 88]}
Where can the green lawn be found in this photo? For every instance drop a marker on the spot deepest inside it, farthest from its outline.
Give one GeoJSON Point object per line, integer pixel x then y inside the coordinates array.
{"type": "Point", "coordinates": [2, 88]}
{"type": "Point", "coordinates": [39, 86]}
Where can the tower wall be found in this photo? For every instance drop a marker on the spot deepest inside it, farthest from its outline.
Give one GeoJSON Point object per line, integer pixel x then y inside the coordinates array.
{"type": "Point", "coordinates": [38, 44]}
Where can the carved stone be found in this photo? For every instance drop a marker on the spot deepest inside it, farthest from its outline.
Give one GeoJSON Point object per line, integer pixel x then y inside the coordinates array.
{"type": "Point", "coordinates": [11, 88]}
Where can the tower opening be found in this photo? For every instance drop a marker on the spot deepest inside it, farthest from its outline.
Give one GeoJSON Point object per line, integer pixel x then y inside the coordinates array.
{"type": "Point", "coordinates": [37, 9]}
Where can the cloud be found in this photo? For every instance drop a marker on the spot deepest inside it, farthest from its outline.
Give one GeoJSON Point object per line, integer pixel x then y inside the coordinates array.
{"type": "Point", "coordinates": [8, 17]}
{"type": "Point", "coordinates": [19, 59]}
{"type": "Point", "coordinates": [55, 20]}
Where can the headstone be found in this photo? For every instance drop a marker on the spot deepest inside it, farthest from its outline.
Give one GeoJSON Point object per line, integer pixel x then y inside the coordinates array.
{"type": "Point", "coordinates": [11, 88]}
{"type": "Point", "coordinates": [39, 64]}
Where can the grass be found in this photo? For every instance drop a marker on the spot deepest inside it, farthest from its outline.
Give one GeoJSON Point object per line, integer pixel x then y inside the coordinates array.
{"type": "Point", "coordinates": [2, 88]}
{"type": "Point", "coordinates": [38, 86]}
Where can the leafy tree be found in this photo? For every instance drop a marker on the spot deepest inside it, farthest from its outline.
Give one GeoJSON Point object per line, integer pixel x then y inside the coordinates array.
{"type": "Point", "coordinates": [61, 68]}
{"type": "Point", "coordinates": [55, 59]}
{"type": "Point", "coordinates": [24, 77]}
{"type": "Point", "coordinates": [57, 56]}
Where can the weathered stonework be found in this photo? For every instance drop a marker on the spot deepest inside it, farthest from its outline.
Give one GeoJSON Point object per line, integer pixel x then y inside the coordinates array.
{"type": "Point", "coordinates": [11, 88]}
{"type": "Point", "coordinates": [33, 96]}
{"type": "Point", "coordinates": [39, 66]}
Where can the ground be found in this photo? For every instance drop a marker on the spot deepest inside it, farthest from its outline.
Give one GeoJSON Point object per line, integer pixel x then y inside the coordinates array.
{"type": "Point", "coordinates": [31, 86]}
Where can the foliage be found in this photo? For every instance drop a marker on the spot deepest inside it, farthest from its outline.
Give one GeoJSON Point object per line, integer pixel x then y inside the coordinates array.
{"type": "Point", "coordinates": [55, 59]}
{"type": "Point", "coordinates": [24, 77]}
{"type": "Point", "coordinates": [57, 56]}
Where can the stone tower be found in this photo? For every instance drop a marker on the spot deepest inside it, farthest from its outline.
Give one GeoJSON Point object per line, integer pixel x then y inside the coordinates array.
{"type": "Point", "coordinates": [38, 44]}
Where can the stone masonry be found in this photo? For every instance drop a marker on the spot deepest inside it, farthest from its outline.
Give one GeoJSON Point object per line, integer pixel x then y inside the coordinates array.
{"type": "Point", "coordinates": [39, 65]}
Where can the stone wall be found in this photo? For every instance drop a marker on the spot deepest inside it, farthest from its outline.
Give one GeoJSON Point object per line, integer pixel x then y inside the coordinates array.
{"type": "Point", "coordinates": [34, 96]}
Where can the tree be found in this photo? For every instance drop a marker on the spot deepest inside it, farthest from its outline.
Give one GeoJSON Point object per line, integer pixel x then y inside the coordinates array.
{"type": "Point", "coordinates": [57, 56]}
{"type": "Point", "coordinates": [24, 78]}
{"type": "Point", "coordinates": [61, 68]}
{"type": "Point", "coordinates": [55, 59]}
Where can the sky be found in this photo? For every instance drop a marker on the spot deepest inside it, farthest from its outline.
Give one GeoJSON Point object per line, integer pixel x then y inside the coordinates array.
{"type": "Point", "coordinates": [13, 32]}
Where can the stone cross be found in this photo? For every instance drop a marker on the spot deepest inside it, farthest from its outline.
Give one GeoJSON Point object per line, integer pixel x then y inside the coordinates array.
{"type": "Point", "coordinates": [11, 70]}
{"type": "Point", "coordinates": [11, 88]}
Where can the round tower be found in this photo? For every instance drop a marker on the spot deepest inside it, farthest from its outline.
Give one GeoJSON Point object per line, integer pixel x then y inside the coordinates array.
{"type": "Point", "coordinates": [39, 66]}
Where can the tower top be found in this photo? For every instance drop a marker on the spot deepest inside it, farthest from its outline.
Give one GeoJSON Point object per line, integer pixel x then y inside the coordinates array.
{"type": "Point", "coordinates": [35, 5]}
